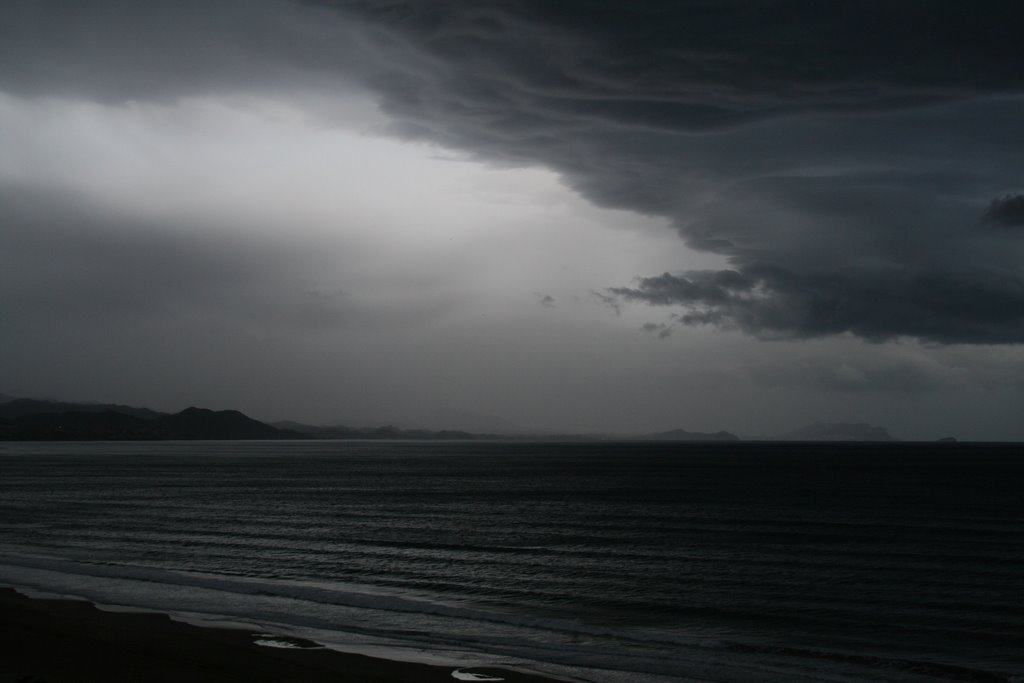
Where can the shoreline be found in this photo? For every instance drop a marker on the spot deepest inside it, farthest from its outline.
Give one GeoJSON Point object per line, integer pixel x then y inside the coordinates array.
{"type": "Point", "coordinates": [73, 641]}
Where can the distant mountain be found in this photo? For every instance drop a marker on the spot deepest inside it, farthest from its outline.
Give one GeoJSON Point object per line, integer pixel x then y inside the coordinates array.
{"type": "Point", "coordinates": [18, 407]}
{"type": "Point", "coordinates": [683, 435]}
{"type": "Point", "coordinates": [26, 419]}
{"type": "Point", "coordinates": [34, 419]}
{"type": "Point", "coordinates": [200, 423]}
{"type": "Point", "coordinates": [838, 431]}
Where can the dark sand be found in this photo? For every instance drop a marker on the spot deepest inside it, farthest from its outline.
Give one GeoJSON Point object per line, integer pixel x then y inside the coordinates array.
{"type": "Point", "coordinates": [70, 641]}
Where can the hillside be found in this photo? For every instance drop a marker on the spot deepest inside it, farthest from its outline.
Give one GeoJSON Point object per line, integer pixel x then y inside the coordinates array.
{"type": "Point", "coordinates": [32, 420]}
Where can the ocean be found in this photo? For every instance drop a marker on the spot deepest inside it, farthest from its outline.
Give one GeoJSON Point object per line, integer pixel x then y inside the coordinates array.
{"type": "Point", "coordinates": [594, 561]}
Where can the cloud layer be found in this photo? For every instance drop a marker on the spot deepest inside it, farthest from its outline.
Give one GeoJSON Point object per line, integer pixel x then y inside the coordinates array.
{"type": "Point", "coordinates": [230, 186]}
{"type": "Point", "coordinates": [841, 156]}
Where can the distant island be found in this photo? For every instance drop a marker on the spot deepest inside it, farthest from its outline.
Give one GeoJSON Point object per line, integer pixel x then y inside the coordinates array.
{"type": "Point", "coordinates": [26, 419]}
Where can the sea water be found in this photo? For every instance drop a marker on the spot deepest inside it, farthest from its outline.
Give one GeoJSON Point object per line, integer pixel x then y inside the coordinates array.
{"type": "Point", "coordinates": [597, 561]}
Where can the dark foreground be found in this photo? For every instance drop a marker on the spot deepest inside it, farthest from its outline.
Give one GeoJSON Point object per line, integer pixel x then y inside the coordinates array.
{"type": "Point", "coordinates": [70, 641]}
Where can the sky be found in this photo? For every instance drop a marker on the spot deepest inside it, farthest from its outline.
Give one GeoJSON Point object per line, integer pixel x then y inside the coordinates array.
{"type": "Point", "coordinates": [519, 215]}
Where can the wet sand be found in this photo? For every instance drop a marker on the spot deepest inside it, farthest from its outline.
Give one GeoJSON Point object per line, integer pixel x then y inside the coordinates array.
{"type": "Point", "coordinates": [70, 641]}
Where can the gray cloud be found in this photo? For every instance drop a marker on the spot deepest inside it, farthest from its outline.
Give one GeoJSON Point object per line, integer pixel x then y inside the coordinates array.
{"type": "Point", "coordinates": [857, 376]}
{"type": "Point", "coordinates": [661, 330]}
{"type": "Point", "coordinates": [119, 50]}
{"type": "Point", "coordinates": [66, 259]}
{"type": "Point", "coordinates": [608, 301]}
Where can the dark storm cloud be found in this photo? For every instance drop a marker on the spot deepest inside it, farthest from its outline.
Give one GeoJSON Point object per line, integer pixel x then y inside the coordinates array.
{"type": "Point", "coordinates": [1006, 212]}
{"type": "Point", "coordinates": [702, 62]}
{"type": "Point", "coordinates": [838, 154]}
{"type": "Point", "coordinates": [976, 304]}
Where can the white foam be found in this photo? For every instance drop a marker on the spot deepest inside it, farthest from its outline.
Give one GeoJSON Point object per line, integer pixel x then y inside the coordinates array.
{"type": "Point", "coordinates": [433, 631]}
{"type": "Point", "coordinates": [283, 644]}
{"type": "Point", "coordinates": [461, 675]}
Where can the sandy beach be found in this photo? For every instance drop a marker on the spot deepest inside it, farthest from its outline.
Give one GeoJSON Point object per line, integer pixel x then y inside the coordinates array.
{"type": "Point", "coordinates": [71, 641]}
